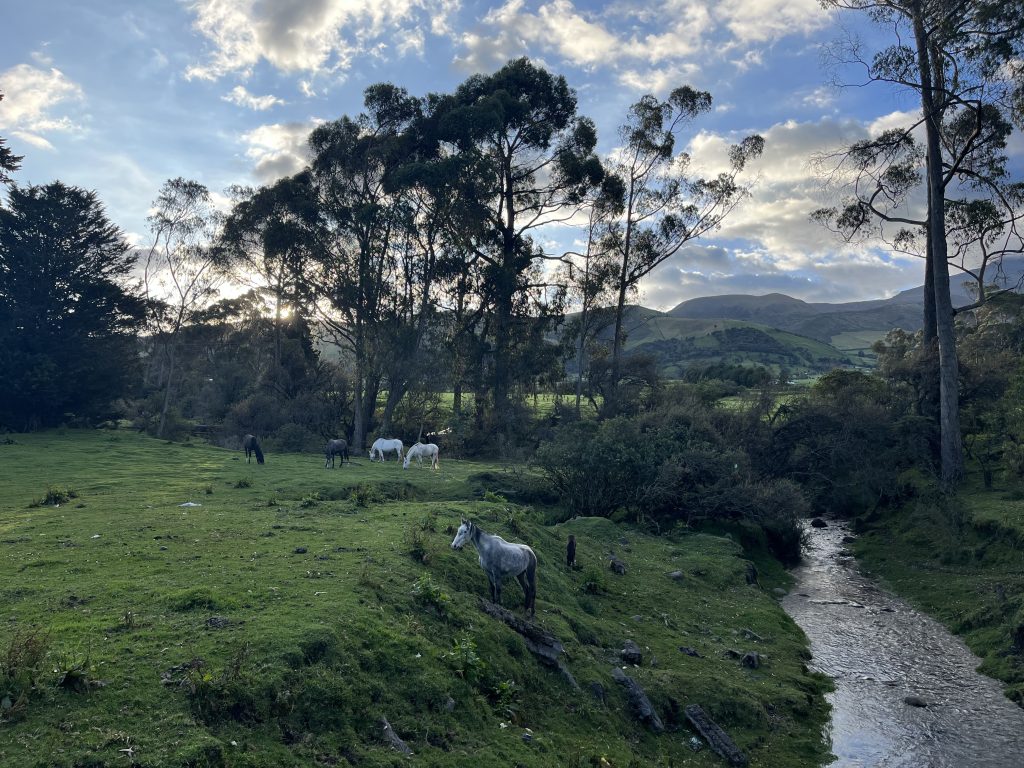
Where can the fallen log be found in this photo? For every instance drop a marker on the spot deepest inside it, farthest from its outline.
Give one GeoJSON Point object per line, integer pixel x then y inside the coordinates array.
{"type": "Point", "coordinates": [639, 704]}
{"type": "Point", "coordinates": [713, 734]}
{"type": "Point", "coordinates": [541, 643]}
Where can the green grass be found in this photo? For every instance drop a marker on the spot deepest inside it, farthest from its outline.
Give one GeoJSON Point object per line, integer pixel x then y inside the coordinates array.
{"type": "Point", "coordinates": [277, 622]}
{"type": "Point", "coordinates": [962, 561]}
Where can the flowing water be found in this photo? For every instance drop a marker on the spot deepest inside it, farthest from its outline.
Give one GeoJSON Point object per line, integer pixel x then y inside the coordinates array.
{"type": "Point", "coordinates": [879, 651]}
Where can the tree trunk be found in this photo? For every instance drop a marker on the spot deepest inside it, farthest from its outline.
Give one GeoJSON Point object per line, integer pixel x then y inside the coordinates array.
{"type": "Point", "coordinates": [949, 397]}
{"type": "Point", "coordinates": [172, 359]}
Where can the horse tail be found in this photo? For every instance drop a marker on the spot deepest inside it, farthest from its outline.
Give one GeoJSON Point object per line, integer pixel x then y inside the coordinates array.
{"type": "Point", "coordinates": [259, 453]}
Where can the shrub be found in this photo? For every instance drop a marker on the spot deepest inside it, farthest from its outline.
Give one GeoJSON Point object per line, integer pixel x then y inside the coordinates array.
{"type": "Point", "coordinates": [55, 496]}
{"type": "Point", "coordinates": [20, 668]}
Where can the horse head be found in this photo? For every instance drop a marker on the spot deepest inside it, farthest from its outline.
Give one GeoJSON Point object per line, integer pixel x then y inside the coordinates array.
{"type": "Point", "coordinates": [463, 534]}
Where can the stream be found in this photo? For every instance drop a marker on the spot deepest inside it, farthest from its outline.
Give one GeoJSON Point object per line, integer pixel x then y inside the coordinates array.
{"type": "Point", "coordinates": [879, 650]}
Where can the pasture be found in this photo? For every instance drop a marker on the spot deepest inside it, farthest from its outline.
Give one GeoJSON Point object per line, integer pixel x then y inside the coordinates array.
{"type": "Point", "coordinates": [277, 622]}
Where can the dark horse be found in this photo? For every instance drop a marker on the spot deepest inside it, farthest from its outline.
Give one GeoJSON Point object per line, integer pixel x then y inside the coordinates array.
{"type": "Point", "coordinates": [336, 448]}
{"type": "Point", "coordinates": [251, 445]}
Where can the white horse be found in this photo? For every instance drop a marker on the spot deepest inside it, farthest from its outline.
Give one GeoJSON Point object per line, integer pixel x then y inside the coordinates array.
{"type": "Point", "coordinates": [500, 559]}
{"type": "Point", "coordinates": [382, 445]}
{"type": "Point", "coordinates": [421, 451]}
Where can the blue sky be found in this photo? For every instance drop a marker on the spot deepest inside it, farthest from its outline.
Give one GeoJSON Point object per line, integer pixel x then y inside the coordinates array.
{"type": "Point", "coordinates": [119, 96]}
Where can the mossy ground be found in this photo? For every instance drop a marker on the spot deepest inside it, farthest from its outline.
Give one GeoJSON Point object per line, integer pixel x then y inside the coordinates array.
{"type": "Point", "coordinates": [276, 623]}
{"type": "Point", "coordinates": [961, 560]}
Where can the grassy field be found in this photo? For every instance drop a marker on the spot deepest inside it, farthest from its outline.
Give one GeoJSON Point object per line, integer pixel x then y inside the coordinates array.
{"type": "Point", "coordinates": [276, 622]}
{"type": "Point", "coordinates": [962, 561]}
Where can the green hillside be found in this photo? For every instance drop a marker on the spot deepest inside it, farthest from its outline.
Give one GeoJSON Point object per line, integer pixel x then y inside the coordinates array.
{"type": "Point", "coordinates": [280, 619]}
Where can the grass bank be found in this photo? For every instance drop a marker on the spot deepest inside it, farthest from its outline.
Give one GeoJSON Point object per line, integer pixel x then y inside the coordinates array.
{"type": "Point", "coordinates": [961, 560]}
{"type": "Point", "coordinates": [279, 618]}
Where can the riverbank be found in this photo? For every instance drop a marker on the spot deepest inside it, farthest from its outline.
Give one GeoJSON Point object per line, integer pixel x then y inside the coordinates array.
{"type": "Point", "coordinates": [961, 560]}
{"type": "Point", "coordinates": [170, 605]}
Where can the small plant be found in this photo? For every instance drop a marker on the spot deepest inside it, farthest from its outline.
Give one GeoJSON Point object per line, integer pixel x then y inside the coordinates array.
{"type": "Point", "coordinates": [76, 673]}
{"type": "Point", "coordinates": [128, 620]}
{"type": "Point", "coordinates": [242, 482]}
{"type": "Point", "coordinates": [494, 498]}
{"type": "Point", "coordinates": [20, 667]}
{"type": "Point", "coordinates": [310, 500]}
{"type": "Point", "coordinates": [55, 496]}
{"type": "Point", "coordinates": [505, 698]}
{"type": "Point", "coordinates": [429, 523]}
{"type": "Point", "coordinates": [464, 659]}
{"type": "Point", "coordinates": [416, 546]}
{"type": "Point", "coordinates": [426, 591]}
{"type": "Point", "coordinates": [208, 490]}
{"type": "Point", "coordinates": [364, 494]}
{"type": "Point", "coordinates": [593, 582]}
{"type": "Point", "coordinates": [273, 502]}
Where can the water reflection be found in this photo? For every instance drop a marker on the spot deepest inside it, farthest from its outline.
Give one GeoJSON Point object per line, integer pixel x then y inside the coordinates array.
{"type": "Point", "coordinates": [881, 651]}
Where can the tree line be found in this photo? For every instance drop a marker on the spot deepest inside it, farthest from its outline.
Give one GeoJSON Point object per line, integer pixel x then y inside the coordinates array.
{"type": "Point", "coordinates": [411, 246]}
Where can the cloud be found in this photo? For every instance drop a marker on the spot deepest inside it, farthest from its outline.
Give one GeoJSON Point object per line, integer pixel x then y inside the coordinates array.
{"type": "Point", "coordinates": [31, 96]}
{"type": "Point", "coordinates": [660, 44]}
{"type": "Point", "coordinates": [240, 96]}
{"type": "Point", "coordinates": [304, 35]}
{"type": "Point", "coordinates": [278, 149]}
{"type": "Point", "coordinates": [769, 242]}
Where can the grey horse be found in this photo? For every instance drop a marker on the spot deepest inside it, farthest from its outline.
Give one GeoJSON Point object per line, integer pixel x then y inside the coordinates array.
{"type": "Point", "coordinates": [500, 558]}
{"type": "Point", "coordinates": [336, 448]}
{"type": "Point", "coordinates": [252, 446]}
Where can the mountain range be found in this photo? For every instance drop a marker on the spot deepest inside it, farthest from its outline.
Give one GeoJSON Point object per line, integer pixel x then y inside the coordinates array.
{"type": "Point", "coordinates": [779, 331]}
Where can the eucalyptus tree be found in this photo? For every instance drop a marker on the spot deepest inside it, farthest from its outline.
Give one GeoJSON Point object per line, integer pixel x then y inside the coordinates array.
{"type": "Point", "coordinates": [664, 208]}
{"type": "Point", "coordinates": [181, 272]}
{"type": "Point", "coordinates": [962, 58]}
{"type": "Point", "coordinates": [270, 240]}
{"type": "Point", "coordinates": [68, 310]}
{"type": "Point", "coordinates": [527, 160]}
{"type": "Point", "coordinates": [364, 224]}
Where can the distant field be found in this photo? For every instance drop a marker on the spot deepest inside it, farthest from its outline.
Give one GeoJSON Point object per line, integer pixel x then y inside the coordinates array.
{"type": "Point", "coordinates": [278, 619]}
{"type": "Point", "coordinates": [858, 340]}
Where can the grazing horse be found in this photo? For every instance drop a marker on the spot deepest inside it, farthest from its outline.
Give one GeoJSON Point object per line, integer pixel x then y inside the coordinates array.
{"type": "Point", "coordinates": [336, 448]}
{"type": "Point", "coordinates": [500, 558]}
{"type": "Point", "coordinates": [383, 445]}
{"type": "Point", "coordinates": [251, 445]}
{"type": "Point", "coordinates": [419, 451]}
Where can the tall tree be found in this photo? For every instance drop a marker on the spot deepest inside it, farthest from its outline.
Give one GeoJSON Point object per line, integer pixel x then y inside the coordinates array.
{"type": "Point", "coordinates": [9, 162]}
{"type": "Point", "coordinates": [67, 314]}
{"type": "Point", "coordinates": [363, 224]}
{"type": "Point", "coordinates": [181, 272]}
{"type": "Point", "coordinates": [961, 57]}
{"type": "Point", "coordinates": [663, 207]}
{"type": "Point", "coordinates": [269, 238]}
{"type": "Point", "coordinates": [527, 160]}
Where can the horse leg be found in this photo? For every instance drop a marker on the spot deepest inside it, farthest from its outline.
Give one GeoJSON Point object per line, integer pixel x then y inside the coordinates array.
{"type": "Point", "coordinates": [525, 584]}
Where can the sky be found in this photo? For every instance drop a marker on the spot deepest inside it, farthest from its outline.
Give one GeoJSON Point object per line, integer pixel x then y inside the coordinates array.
{"type": "Point", "coordinates": [118, 96]}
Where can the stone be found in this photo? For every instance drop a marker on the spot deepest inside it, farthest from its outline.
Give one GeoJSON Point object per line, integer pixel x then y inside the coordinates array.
{"type": "Point", "coordinates": [716, 738]}
{"type": "Point", "coordinates": [751, 660]}
{"type": "Point", "coordinates": [617, 566]}
{"type": "Point", "coordinates": [300, 550]}
{"type": "Point", "coordinates": [751, 574]}
{"type": "Point", "coordinates": [631, 653]}
{"type": "Point", "coordinates": [392, 738]}
{"type": "Point", "coordinates": [818, 523]}
{"type": "Point", "coordinates": [676, 575]}
{"type": "Point", "coordinates": [915, 701]}
{"type": "Point", "coordinates": [779, 592]}
{"type": "Point", "coordinates": [690, 651]}
{"type": "Point", "coordinates": [597, 691]}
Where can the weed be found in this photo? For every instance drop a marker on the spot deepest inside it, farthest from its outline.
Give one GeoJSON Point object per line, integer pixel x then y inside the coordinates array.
{"type": "Point", "coordinates": [464, 659]}
{"type": "Point", "coordinates": [208, 490]}
{"type": "Point", "coordinates": [55, 496]}
{"type": "Point", "coordinates": [366, 494]}
{"type": "Point", "coordinates": [128, 620]}
{"type": "Point", "coordinates": [242, 482]}
{"type": "Point", "coordinates": [310, 500]}
{"type": "Point", "coordinates": [227, 694]}
{"type": "Point", "coordinates": [593, 582]}
{"type": "Point", "coordinates": [426, 591]}
{"type": "Point", "coordinates": [494, 498]}
{"type": "Point", "coordinates": [505, 699]}
{"type": "Point", "coordinates": [75, 672]}
{"type": "Point", "coordinates": [429, 523]}
{"type": "Point", "coordinates": [20, 668]}
{"type": "Point", "coordinates": [416, 546]}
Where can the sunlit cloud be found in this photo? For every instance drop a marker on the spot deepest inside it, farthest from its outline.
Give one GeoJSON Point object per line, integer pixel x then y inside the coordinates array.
{"type": "Point", "coordinates": [304, 35]}
{"type": "Point", "coordinates": [31, 100]}
{"type": "Point", "coordinates": [278, 150]}
{"type": "Point", "coordinates": [240, 96]}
